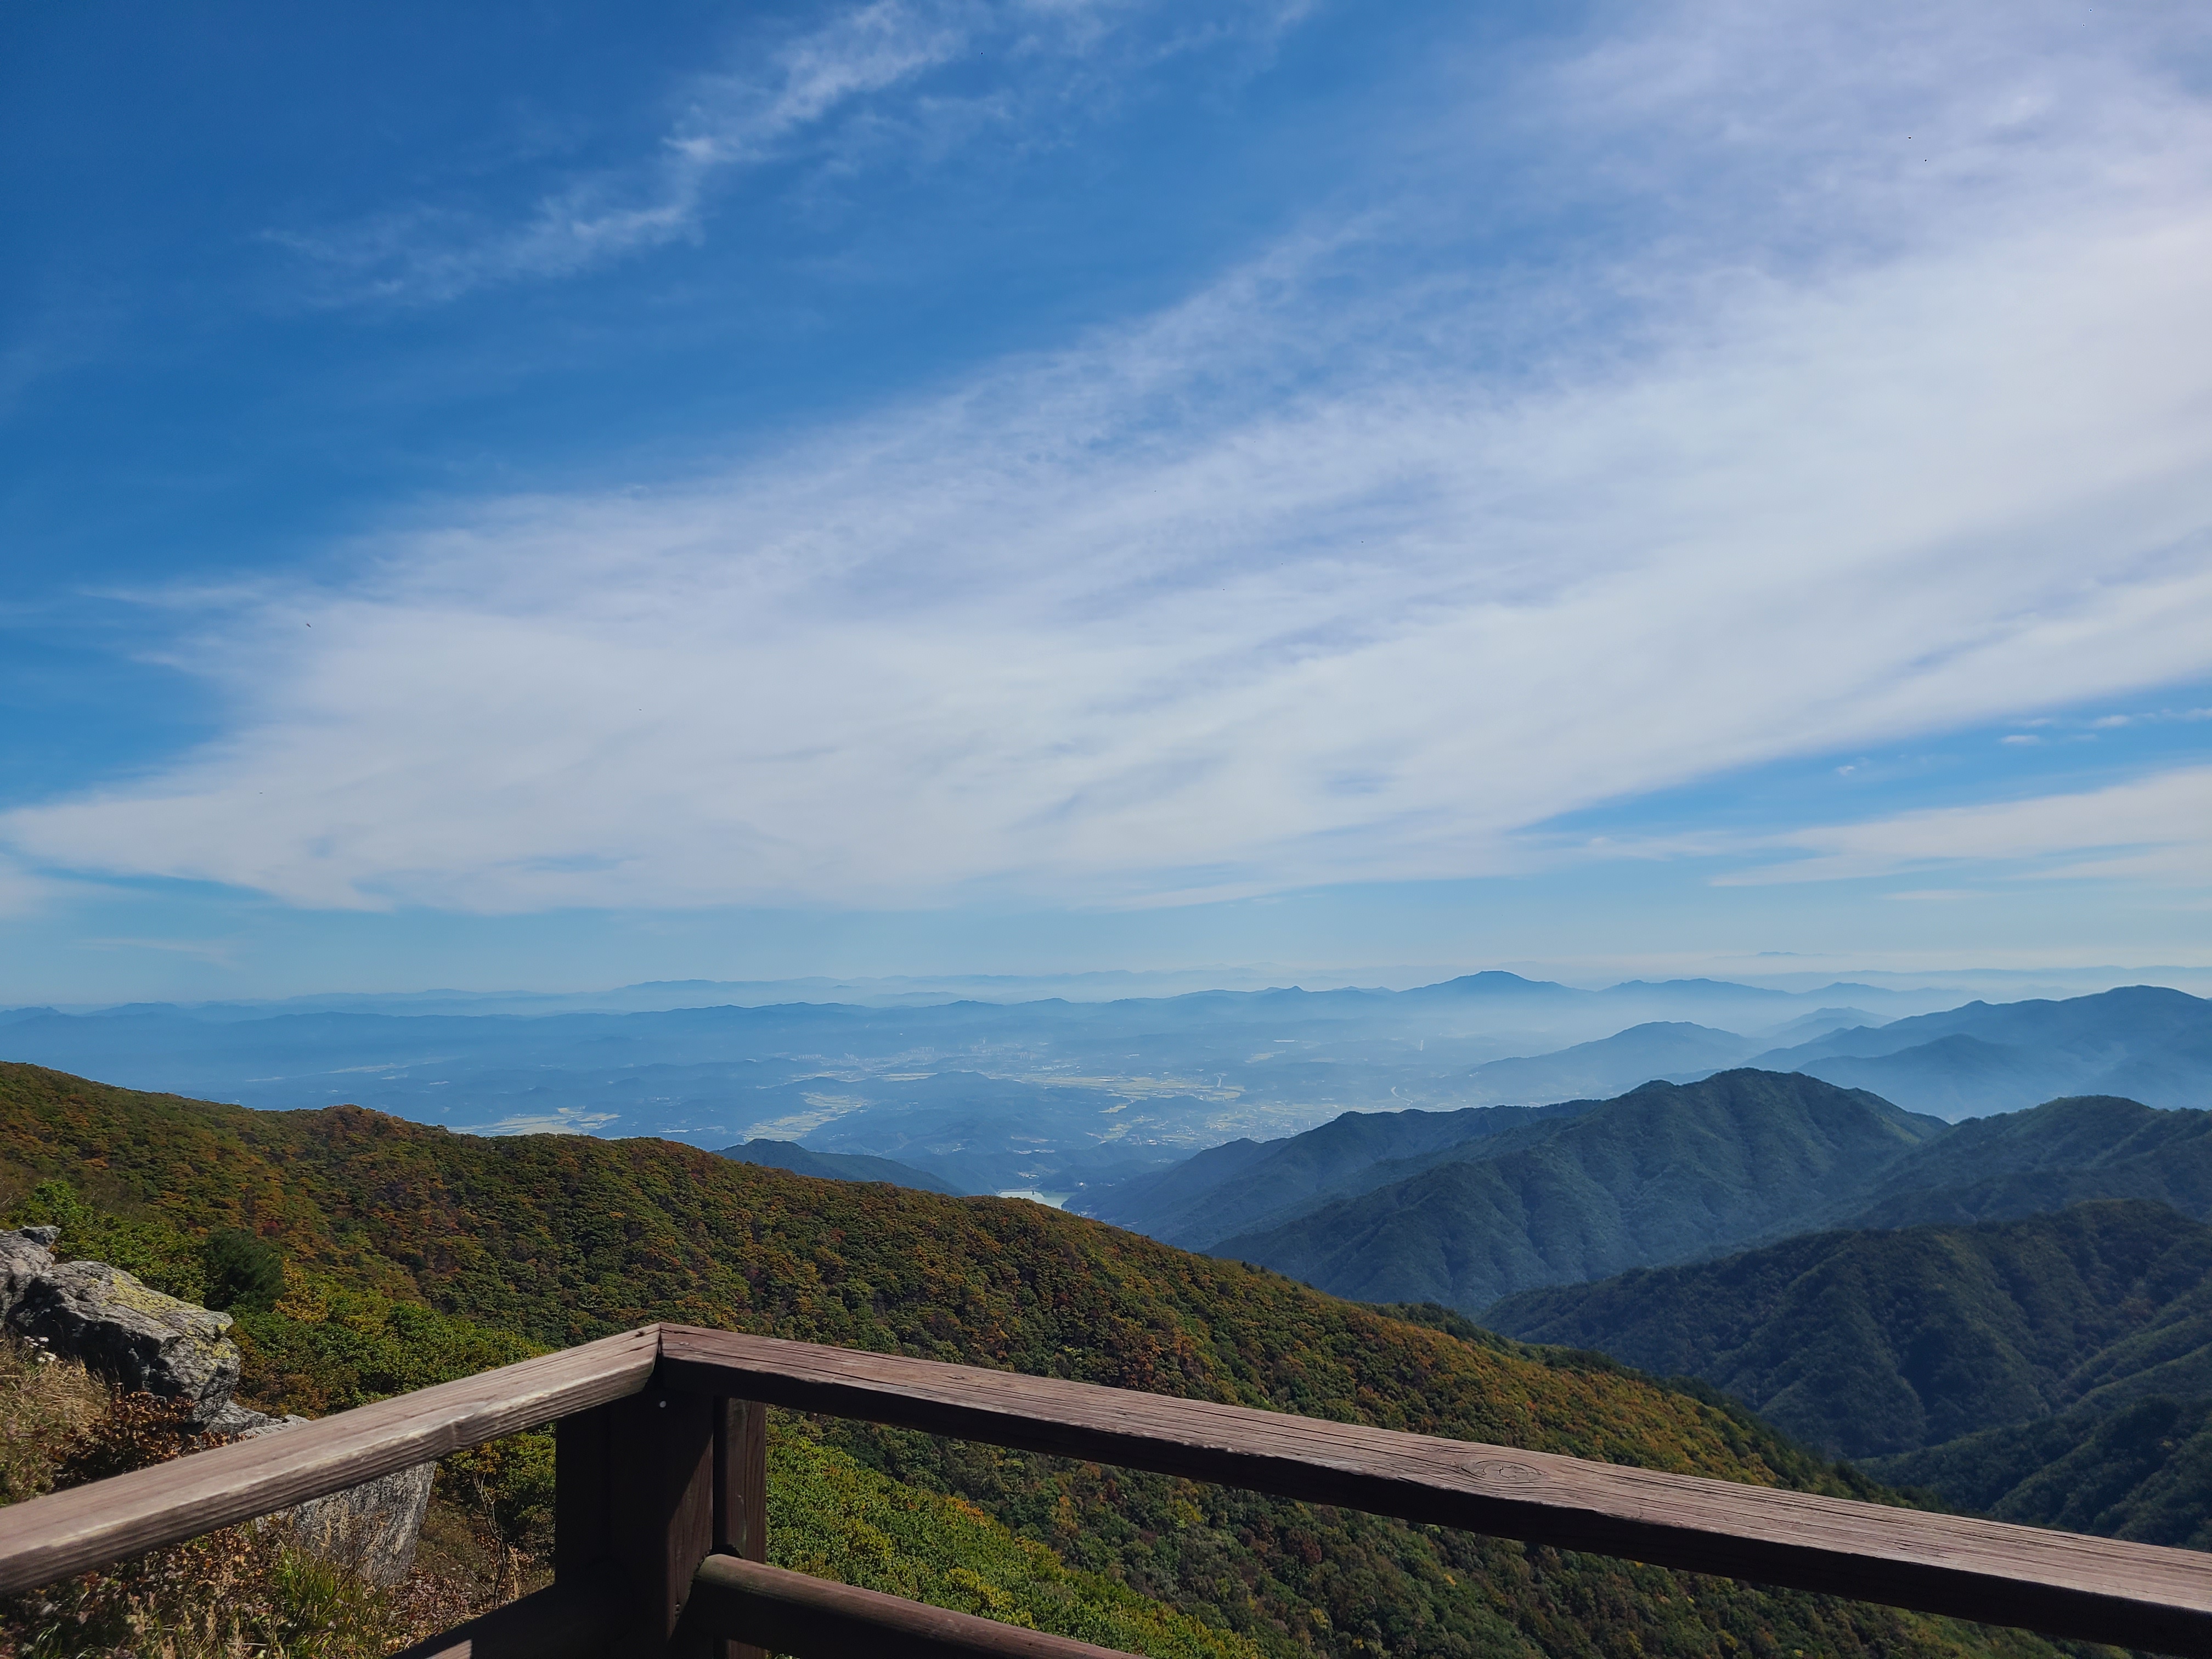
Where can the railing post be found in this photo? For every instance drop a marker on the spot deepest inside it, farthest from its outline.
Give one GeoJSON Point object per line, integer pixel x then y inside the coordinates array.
{"type": "Point", "coordinates": [740, 1494]}
{"type": "Point", "coordinates": [659, 1514]}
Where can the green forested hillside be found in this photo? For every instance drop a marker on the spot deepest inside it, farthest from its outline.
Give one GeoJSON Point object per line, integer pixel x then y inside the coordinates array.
{"type": "Point", "coordinates": [1665, 1172]}
{"type": "Point", "coordinates": [2062, 1152]}
{"type": "Point", "coordinates": [553, 1240]}
{"type": "Point", "coordinates": [1867, 1343]}
{"type": "Point", "coordinates": [2143, 1471]}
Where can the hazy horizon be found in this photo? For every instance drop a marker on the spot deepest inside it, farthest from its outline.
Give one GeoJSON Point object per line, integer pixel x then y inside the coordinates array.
{"type": "Point", "coordinates": [1995, 984]}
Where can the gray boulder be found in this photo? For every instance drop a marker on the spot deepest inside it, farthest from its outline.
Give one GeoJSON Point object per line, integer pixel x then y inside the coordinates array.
{"type": "Point", "coordinates": [132, 1335]}
{"type": "Point", "coordinates": [371, 1527]}
{"type": "Point", "coordinates": [24, 1255]}
{"type": "Point", "coordinates": [232, 1421]}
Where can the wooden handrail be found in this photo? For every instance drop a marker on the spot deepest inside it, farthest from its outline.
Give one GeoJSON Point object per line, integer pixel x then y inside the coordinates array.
{"type": "Point", "coordinates": [2142, 1596]}
{"type": "Point", "coordinates": [109, 1520]}
{"type": "Point", "coordinates": [656, 1474]}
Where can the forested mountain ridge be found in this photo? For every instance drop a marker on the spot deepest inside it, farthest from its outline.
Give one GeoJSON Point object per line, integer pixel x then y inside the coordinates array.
{"type": "Point", "coordinates": [2143, 1472]}
{"type": "Point", "coordinates": [2055, 1370]}
{"type": "Point", "coordinates": [2063, 1152]}
{"type": "Point", "coordinates": [558, 1239]}
{"type": "Point", "coordinates": [311, 1343]}
{"type": "Point", "coordinates": [1865, 1343]}
{"type": "Point", "coordinates": [1245, 1184]}
{"type": "Point", "coordinates": [1665, 1172]}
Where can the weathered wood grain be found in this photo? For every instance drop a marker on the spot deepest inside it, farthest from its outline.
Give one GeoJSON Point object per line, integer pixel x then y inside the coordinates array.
{"type": "Point", "coordinates": [815, 1619]}
{"type": "Point", "coordinates": [91, 1526]}
{"type": "Point", "coordinates": [741, 1478]}
{"type": "Point", "coordinates": [2139, 1596]}
{"type": "Point", "coordinates": [740, 1495]}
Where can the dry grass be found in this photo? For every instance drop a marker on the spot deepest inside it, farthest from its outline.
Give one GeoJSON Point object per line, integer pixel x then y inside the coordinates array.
{"type": "Point", "coordinates": [44, 1404]}
{"type": "Point", "coordinates": [241, 1593]}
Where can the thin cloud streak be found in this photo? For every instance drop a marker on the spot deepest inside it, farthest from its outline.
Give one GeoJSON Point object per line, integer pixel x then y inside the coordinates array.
{"type": "Point", "coordinates": [1284, 588]}
{"type": "Point", "coordinates": [2149, 829]}
{"type": "Point", "coordinates": [802, 96]}
{"type": "Point", "coordinates": [420, 255]}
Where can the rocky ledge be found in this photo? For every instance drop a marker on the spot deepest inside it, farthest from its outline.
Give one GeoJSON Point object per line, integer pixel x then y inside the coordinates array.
{"type": "Point", "coordinates": [122, 1328]}
{"type": "Point", "coordinates": [137, 1339]}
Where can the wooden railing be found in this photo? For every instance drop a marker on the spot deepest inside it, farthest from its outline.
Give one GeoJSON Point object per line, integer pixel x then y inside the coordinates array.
{"type": "Point", "coordinates": [660, 1490]}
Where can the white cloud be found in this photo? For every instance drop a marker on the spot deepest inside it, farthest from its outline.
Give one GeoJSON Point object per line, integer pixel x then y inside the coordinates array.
{"type": "Point", "coordinates": [2158, 828]}
{"type": "Point", "coordinates": [1292, 583]}
{"type": "Point", "coordinates": [821, 89]}
{"type": "Point", "coordinates": [424, 255]}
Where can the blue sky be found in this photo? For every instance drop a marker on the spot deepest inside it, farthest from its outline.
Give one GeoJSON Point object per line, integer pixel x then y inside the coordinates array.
{"type": "Point", "coordinates": [561, 495]}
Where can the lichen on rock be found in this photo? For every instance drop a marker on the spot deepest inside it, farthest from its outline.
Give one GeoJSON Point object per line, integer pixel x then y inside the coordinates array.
{"type": "Point", "coordinates": [131, 1335]}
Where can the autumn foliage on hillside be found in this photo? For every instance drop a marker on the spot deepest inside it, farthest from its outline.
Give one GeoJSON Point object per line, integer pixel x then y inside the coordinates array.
{"type": "Point", "coordinates": [553, 1240]}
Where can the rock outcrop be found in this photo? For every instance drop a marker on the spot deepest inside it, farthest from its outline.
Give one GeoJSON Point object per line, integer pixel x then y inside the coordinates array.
{"type": "Point", "coordinates": [137, 1338]}
{"type": "Point", "coordinates": [24, 1255]}
{"type": "Point", "coordinates": [128, 1333]}
{"type": "Point", "coordinates": [371, 1527]}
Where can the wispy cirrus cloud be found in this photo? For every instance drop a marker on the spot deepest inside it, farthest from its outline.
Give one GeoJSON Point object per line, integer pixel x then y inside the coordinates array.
{"type": "Point", "coordinates": [1357, 564]}
{"type": "Point", "coordinates": [825, 91]}
{"type": "Point", "coordinates": [2157, 828]}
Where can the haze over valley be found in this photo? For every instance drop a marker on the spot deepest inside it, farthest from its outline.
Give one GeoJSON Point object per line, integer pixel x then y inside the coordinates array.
{"type": "Point", "coordinates": [1062, 1096]}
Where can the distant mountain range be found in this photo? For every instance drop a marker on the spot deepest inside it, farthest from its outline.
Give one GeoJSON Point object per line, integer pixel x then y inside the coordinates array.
{"type": "Point", "coordinates": [1669, 1049]}
{"type": "Point", "coordinates": [1085, 1099]}
{"type": "Point", "coordinates": [2143, 1042]}
{"type": "Point", "coordinates": [1246, 1184]}
{"type": "Point", "coordinates": [983, 1095]}
{"type": "Point", "coordinates": [1464, 1207]}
